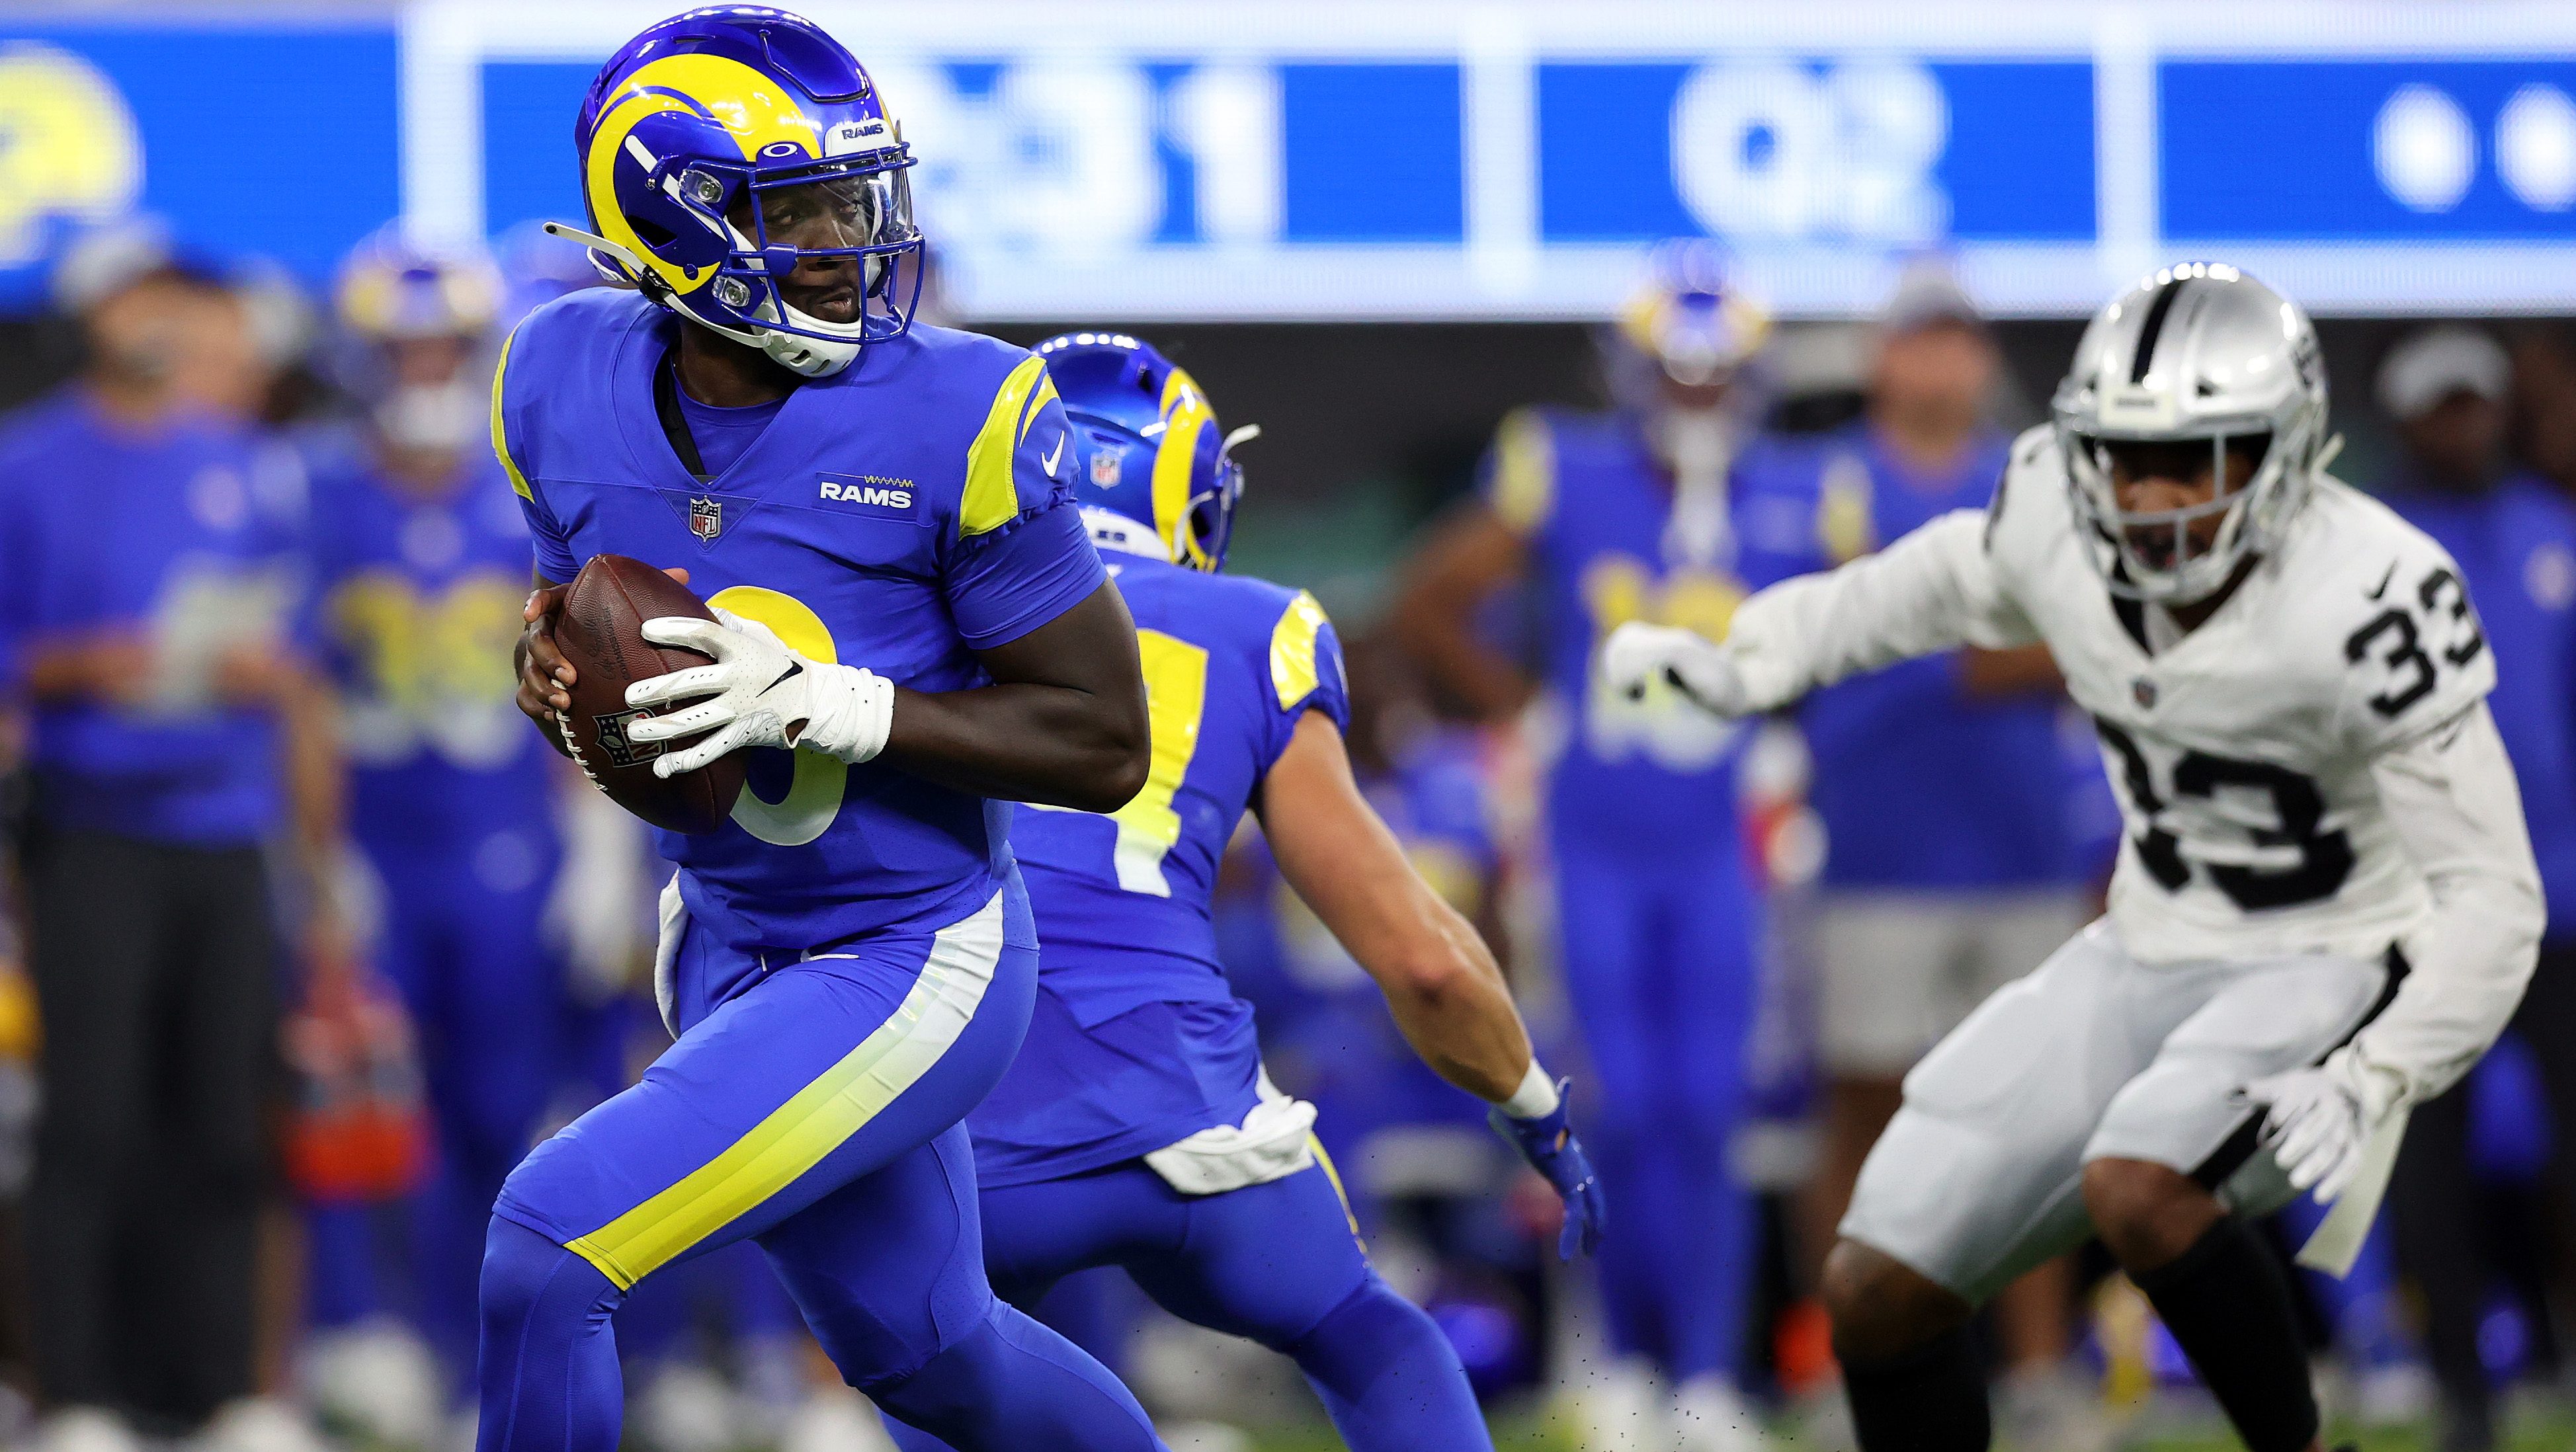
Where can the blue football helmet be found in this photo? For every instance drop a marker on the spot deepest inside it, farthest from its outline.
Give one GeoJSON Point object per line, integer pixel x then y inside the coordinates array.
{"type": "Point", "coordinates": [1147, 449]}
{"type": "Point", "coordinates": [1687, 325]}
{"type": "Point", "coordinates": [725, 146]}
{"type": "Point", "coordinates": [392, 289]}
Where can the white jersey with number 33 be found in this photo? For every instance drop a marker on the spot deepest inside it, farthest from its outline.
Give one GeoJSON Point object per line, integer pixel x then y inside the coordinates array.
{"type": "Point", "coordinates": [2311, 769]}
{"type": "Point", "coordinates": [2242, 751]}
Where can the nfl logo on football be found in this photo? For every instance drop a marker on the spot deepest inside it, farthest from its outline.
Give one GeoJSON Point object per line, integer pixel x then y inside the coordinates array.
{"type": "Point", "coordinates": [706, 518]}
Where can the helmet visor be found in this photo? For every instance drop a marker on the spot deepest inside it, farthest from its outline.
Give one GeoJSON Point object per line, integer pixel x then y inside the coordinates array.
{"type": "Point", "coordinates": [844, 213]}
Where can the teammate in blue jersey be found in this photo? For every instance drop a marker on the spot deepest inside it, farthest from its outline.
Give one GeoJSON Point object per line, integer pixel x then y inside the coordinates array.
{"type": "Point", "coordinates": [420, 559]}
{"type": "Point", "coordinates": [915, 632]}
{"type": "Point", "coordinates": [1656, 511]}
{"type": "Point", "coordinates": [2513, 537]}
{"type": "Point", "coordinates": [1137, 1128]}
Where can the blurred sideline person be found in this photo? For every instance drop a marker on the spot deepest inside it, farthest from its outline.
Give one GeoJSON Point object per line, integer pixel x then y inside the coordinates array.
{"type": "Point", "coordinates": [1950, 868]}
{"type": "Point", "coordinates": [147, 581]}
{"type": "Point", "coordinates": [2326, 907]}
{"type": "Point", "coordinates": [1137, 1127]}
{"type": "Point", "coordinates": [2513, 537]}
{"type": "Point", "coordinates": [1642, 513]}
{"type": "Point", "coordinates": [421, 563]}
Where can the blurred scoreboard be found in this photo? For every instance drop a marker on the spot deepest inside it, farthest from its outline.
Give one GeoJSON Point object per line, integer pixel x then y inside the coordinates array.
{"type": "Point", "coordinates": [1418, 158]}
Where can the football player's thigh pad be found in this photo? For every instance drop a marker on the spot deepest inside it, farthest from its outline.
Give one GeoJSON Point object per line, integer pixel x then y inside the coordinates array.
{"type": "Point", "coordinates": [1978, 1176]}
{"type": "Point", "coordinates": [2259, 1018]}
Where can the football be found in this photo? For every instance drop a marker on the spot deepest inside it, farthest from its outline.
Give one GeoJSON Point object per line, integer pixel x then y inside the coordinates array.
{"type": "Point", "coordinates": [601, 632]}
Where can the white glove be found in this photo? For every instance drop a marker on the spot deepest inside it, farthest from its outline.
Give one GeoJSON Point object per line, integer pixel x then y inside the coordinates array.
{"type": "Point", "coordinates": [1637, 653]}
{"type": "Point", "coordinates": [2320, 1119]}
{"type": "Point", "coordinates": [759, 693]}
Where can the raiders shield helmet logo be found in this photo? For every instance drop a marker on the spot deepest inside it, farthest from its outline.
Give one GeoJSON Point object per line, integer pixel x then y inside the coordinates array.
{"type": "Point", "coordinates": [706, 518]}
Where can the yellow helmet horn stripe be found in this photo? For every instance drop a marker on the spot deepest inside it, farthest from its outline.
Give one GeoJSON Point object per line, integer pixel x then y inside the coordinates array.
{"type": "Point", "coordinates": [754, 109]}
{"type": "Point", "coordinates": [1185, 412]}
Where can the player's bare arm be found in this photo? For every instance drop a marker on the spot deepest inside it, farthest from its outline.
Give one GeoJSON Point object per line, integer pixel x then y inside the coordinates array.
{"type": "Point", "coordinates": [1063, 723]}
{"type": "Point", "coordinates": [1468, 558]}
{"type": "Point", "coordinates": [1440, 980]}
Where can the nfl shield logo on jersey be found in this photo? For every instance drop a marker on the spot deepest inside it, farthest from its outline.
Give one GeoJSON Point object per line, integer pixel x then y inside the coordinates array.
{"type": "Point", "coordinates": [1106, 466]}
{"type": "Point", "coordinates": [706, 518]}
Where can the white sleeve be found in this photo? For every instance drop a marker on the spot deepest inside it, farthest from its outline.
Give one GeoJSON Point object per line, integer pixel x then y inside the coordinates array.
{"type": "Point", "coordinates": [1934, 589]}
{"type": "Point", "coordinates": [2452, 796]}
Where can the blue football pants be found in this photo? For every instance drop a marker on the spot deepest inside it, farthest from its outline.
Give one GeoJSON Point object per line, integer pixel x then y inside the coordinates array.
{"type": "Point", "coordinates": [816, 1113]}
{"type": "Point", "coordinates": [1660, 969]}
{"type": "Point", "coordinates": [1278, 1263]}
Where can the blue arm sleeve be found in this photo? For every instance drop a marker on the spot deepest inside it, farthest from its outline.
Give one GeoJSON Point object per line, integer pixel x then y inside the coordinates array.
{"type": "Point", "coordinates": [1025, 557]}
{"type": "Point", "coordinates": [1004, 584]}
{"type": "Point", "coordinates": [1305, 674]}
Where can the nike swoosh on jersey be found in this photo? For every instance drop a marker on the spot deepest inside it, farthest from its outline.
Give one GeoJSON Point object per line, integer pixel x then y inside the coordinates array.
{"type": "Point", "coordinates": [1055, 458]}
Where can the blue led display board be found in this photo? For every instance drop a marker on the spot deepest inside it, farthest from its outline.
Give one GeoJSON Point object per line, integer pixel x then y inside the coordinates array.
{"type": "Point", "coordinates": [1143, 159]}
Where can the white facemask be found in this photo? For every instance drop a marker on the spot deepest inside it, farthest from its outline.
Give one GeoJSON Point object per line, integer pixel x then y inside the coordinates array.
{"type": "Point", "coordinates": [427, 416]}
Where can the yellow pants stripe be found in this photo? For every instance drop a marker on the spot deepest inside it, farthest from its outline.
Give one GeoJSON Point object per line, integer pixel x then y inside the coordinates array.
{"type": "Point", "coordinates": [796, 1136]}
{"type": "Point", "coordinates": [1334, 1175]}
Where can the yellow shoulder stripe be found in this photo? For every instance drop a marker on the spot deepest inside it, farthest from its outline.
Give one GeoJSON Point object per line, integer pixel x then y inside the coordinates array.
{"type": "Point", "coordinates": [500, 435]}
{"type": "Point", "coordinates": [1293, 672]}
{"type": "Point", "coordinates": [992, 496]}
{"type": "Point", "coordinates": [1524, 470]}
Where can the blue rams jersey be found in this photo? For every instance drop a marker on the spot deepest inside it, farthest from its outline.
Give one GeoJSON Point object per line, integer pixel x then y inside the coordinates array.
{"type": "Point", "coordinates": [898, 515]}
{"type": "Point", "coordinates": [417, 602]}
{"type": "Point", "coordinates": [1597, 513]}
{"type": "Point", "coordinates": [1918, 786]}
{"type": "Point", "coordinates": [1138, 1040]}
{"type": "Point", "coordinates": [2516, 546]}
{"type": "Point", "coordinates": [187, 534]}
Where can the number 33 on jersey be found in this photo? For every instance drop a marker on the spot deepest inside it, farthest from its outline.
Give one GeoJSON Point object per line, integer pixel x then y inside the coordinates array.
{"type": "Point", "coordinates": [2242, 750]}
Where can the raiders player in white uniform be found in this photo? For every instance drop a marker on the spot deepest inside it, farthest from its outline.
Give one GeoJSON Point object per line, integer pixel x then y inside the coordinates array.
{"type": "Point", "coordinates": [2325, 909]}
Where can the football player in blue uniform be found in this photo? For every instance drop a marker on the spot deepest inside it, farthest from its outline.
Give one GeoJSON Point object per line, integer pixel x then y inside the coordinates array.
{"type": "Point", "coordinates": [915, 632]}
{"type": "Point", "coordinates": [1648, 512]}
{"type": "Point", "coordinates": [1137, 1128]}
{"type": "Point", "coordinates": [420, 558]}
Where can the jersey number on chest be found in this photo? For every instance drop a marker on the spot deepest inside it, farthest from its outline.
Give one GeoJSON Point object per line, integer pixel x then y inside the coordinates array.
{"type": "Point", "coordinates": [2324, 858]}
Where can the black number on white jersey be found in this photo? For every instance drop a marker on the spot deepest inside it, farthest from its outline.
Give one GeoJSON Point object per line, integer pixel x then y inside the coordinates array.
{"type": "Point", "coordinates": [2392, 639]}
{"type": "Point", "coordinates": [2325, 858]}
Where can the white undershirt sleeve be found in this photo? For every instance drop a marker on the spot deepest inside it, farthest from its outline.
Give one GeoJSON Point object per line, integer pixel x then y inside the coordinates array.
{"type": "Point", "coordinates": [2453, 799]}
{"type": "Point", "coordinates": [1932, 590]}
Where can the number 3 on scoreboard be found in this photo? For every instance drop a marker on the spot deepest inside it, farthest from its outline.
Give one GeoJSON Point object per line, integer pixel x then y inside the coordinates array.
{"type": "Point", "coordinates": [1175, 701]}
